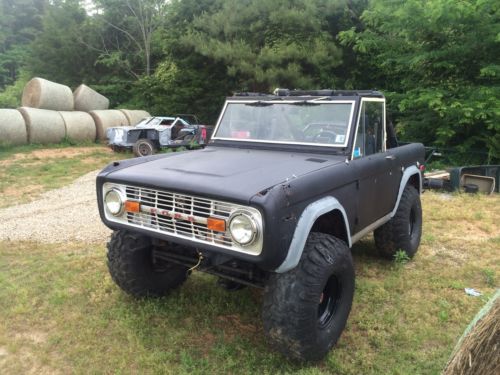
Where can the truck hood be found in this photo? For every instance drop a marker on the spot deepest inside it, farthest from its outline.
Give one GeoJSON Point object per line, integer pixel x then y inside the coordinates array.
{"type": "Point", "coordinates": [224, 173]}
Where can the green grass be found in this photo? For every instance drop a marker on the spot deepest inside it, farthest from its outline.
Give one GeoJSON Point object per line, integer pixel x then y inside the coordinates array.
{"type": "Point", "coordinates": [62, 313]}
{"type": "Point", "coordinates": [27, 171]}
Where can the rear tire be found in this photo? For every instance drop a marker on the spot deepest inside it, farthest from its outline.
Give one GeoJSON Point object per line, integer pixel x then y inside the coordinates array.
{"type": "Point", "coordinates": [133, 269]}
{"type": "Point", "coordinates": [404, 230]}
{"type": "Point", "coordinates": [305, 309]}
{"type": "Point", "coordinates": [143, 147]}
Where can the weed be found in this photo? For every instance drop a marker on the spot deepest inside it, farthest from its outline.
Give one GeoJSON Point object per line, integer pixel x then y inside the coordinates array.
{"type": "Point", "coordinates": [401, 258]}
{"type": "Point", "coordinates": [489, 277]}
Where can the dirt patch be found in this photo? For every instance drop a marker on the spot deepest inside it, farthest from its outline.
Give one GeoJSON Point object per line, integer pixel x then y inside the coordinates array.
{"type": "Point", "coordinates": [35, 337]}
{"type": "Point", "coordinates": [3, 353]}
{"type": "Point", "coordinates": [52, 153]}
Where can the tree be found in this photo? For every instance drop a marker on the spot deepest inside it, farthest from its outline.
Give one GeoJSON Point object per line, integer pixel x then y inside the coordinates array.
{"type": "Point", "coordinates": [128, 30]}
{"type": "Point", "coordinates": [438, 62]}
{"type": "Point", "coordinates": [20, 23]}
{"type": "Point", "coordinates": [267, 44]}
{"type": "Point", "coordinates": [57, 52]}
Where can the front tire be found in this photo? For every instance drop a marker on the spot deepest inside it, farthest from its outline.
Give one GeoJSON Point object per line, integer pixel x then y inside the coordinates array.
{"type": "Point", "coordinates": [305, 309]}
{"type": "Point", "coordinates": [143, 147]}
{"type": "Point", "coordinates": [133, 269]}
{"type": "Point", "coordinates": [404, 230]}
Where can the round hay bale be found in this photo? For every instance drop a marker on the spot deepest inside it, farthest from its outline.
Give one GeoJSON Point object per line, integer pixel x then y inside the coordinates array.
{"type": "Point", "coordinates": [88, 100]}
{"type": "Point", "coordinates": [12, 127]}
{"type": "Point", "coordinates": [43, 126]}
{"type": "Point", "coordinates": [478, 350]}
{"type": "Point", "coordinates": [43, 94]}
{"type": "Point", "coordinates": [134, 115]}
{"type": "Point", "coordinates": [80, 126]}
{"type": "Point", "coordinates": [107, 119]}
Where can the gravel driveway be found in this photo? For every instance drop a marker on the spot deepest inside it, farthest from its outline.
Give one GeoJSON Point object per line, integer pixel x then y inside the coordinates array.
{"type": "Point", "coordinates": [62, 215]}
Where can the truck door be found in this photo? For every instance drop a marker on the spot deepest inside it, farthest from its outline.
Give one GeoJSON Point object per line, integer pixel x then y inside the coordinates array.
{"type": "Point", "coordinates": [378, 169]}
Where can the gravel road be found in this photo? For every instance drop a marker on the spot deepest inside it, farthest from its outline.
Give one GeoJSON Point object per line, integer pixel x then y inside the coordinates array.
{"type": "Point", "coordinates": [62, 215]}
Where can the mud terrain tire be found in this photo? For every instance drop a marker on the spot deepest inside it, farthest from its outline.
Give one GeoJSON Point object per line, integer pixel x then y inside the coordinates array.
{"type": "Point", "coordinates": [131, 266]}
{"type": "Point", "coordinates": [404, 230]}
{"type": "Point", "coordinates": [305, 309]}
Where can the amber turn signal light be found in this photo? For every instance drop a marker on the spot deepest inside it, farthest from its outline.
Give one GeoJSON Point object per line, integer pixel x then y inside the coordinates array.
{"type": "Point", "coordinates": [131, 206]}
{"type": "Point", "coordinates": [217, 225]}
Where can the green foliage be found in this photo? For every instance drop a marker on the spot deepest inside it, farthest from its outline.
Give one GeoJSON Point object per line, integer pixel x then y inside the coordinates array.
{"type": "Point", "coordinates": [11, 96]}
{"type": "Point", "coordinates": [58, 53]}
{"type": "Point", "coordinates": [401, 258]}
{"type": "Point", "coordinates": [269, 44]}
{"type": "Point", "coordinates": [20, 22]}
{"type": "Point", "coordinates": [438, 64]}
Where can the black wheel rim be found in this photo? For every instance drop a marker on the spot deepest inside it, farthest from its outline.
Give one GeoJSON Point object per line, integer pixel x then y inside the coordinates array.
{"type": "Point", "coordinates": [144, 149]}
{"type": "Point", "coordinates": [411, 222]}
{"type": "Point", "coordinates": [329, 301]}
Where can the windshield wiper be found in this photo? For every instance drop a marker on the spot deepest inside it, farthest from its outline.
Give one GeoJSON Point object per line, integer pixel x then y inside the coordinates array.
{"type": "Point", "coordinates": [259, 104]}
{"type": "Point", "coordinates": [305, 103]}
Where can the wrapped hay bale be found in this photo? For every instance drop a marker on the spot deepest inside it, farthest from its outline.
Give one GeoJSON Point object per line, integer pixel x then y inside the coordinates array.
{"type": "Point", "coordinates": [478, 350]}
{"type": "Point", "coordinates": [79, 126]}
{"type": "Point", "coordinates": [88, 100]}
{"type": "Point", "coordinates": [12, 127]}
{"type": "Point", "coordinates": [43, 126]}
{"type": "Point", "coordinates": [43, 94]}
{"type": "Point", "coordinates": [107, 119]}
{"type": "Point", "coordinates": [134, 115]}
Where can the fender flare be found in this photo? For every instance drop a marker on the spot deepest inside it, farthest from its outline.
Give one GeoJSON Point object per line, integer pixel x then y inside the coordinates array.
{"type": "Point", "coordinates": [327, 204]}
{"type": "Point", "coordinates": [309, 216]}
{"type": "Point", "coordinates": [407, 174]}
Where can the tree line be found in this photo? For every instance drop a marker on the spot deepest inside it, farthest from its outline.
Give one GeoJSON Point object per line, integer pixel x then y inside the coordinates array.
{"type": "Point", "coordinates": [437, 61]}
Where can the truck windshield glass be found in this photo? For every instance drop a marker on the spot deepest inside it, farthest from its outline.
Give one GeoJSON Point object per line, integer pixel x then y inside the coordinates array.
{"type": "Point", "coordinates": [305, 122]}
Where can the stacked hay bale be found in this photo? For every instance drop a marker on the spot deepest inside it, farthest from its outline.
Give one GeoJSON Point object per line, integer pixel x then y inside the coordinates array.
{"type": "Point", "coordinates": [51, 111]}
{"type": "Point", "coordinates": [43, 126]}
{"type": "Point", "coordinates": [88, 100]}
{"type": "Point", "coordinates": [478, 350]}
{"type": "Point", "coordinates": [134, 116]}
{"type": "Point", "coordinates": [79, 126]}
{"type": "Point", "coordinates": [107, 119]}
{"type": "Point", "coordinates": [12, 127]}
{"type": "Point", "coordinates": [43, 94]}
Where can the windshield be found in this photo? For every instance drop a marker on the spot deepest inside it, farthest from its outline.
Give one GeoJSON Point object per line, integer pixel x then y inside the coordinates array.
{"type": "Point", "coordinates": [304, 122]}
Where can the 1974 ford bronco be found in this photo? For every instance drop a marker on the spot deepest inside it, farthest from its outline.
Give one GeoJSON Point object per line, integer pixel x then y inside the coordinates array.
{"type": "Point", "coordinates": [288, 183]}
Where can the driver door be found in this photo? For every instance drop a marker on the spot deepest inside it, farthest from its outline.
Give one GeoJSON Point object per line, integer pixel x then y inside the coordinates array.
{"type": "Point", "coordinates": [377, 168]}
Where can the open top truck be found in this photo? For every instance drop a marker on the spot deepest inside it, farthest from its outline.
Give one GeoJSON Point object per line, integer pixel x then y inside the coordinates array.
{"type": "Point", "coordinates": [287, 184]}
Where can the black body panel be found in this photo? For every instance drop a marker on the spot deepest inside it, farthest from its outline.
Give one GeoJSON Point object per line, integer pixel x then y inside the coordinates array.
{"type": "Point", "coordinates": [280, 180]}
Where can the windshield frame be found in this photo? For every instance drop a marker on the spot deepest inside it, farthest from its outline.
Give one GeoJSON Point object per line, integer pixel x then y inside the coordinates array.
{"type": "Point", "coordinates": [278, 102]}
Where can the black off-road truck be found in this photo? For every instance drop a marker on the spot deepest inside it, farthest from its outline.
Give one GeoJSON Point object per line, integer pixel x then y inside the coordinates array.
{"type": "Point", "coordinates": [288, 183]}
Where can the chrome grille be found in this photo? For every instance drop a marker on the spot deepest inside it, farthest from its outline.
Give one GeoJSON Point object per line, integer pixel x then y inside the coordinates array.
{"type": "Point", "coordinates": [179, 214]}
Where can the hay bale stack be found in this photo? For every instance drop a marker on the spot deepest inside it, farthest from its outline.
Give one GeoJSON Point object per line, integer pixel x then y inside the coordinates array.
{"type": "Point", "coordinates": [43, 126]}
{"type": "Point", "coordinates": [79, 126]}
{"type": "Point", "coordinates": [88, 100]}
{"type": "Point", "coordinates": [43, 94]}
{"type": "Point", "coordinates": [134, 116]}
{"type": "Point", "coordinates": [12, 127]}
{"type": "Point", "coordinates": [107, 119]}
{"type": "Point", "coordinates": [478, 351]}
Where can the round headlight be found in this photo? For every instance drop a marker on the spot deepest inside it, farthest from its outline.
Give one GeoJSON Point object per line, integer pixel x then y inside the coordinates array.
{"type": "Point", "coordinates": [114, 202]}
{"type": "Point", "coordinates": [243, 228]}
